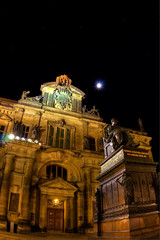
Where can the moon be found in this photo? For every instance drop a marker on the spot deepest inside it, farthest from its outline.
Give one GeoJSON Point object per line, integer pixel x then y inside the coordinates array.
{"type": "Point", "coordinates": [99, 85]}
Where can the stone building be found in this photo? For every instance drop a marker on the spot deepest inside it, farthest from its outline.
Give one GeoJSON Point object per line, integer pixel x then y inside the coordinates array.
{"type": "Point", "coordinates": [50, 151]}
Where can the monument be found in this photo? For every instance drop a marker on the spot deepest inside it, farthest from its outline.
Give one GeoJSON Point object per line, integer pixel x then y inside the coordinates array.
{"type": "Point", "coordinates": [126, 200]}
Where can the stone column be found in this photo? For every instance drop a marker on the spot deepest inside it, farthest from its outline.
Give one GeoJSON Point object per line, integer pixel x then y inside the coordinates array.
{"type": "Point", "coordinates": [69, 217]}
{"type": "Point", "coordinates": [43, 209]}
{"type": "Point", "coordinates": [80, 211]}
{"type": "Point", "coordinates": [88, 218]}
{"type": "Point", "coordinates": [25, 213]}
{"type": "Point", "coordinates": [4, 191]}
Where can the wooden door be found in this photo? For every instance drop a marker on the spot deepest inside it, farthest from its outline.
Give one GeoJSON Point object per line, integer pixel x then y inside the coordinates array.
{"type": "Point", "coordinates": [55, 219]}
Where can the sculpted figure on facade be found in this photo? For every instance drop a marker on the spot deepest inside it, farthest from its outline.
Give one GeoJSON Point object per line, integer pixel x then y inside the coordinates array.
{"type": "Point", "coordinates": [127, 183]}
{"type": "Point", "coordinates": [35, 132]}
{"type": "Point", "coordinates": [17, 128]}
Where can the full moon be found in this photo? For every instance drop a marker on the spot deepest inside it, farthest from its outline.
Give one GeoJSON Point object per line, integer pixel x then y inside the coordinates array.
{"type": "Point", "coordinates": [99, 85]}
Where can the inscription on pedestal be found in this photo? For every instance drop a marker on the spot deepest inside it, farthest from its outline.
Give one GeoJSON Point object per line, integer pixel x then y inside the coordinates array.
{"type": "Point", "coordinates": [112, 161]}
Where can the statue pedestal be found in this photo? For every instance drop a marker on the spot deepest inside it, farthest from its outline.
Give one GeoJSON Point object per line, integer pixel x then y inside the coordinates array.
{"type": "Point", "coordinates": [128, 201]}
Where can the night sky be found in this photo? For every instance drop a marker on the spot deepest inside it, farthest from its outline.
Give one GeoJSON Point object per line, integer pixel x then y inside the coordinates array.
{"type": "Point", "coordinates": [115, 42]}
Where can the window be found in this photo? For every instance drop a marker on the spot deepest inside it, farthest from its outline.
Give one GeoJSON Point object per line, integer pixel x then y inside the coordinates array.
{"type": "Point", "coordinates": [68, 139]}
{"type": "Point", "coordinates": [25, 131]}
{"type": "Point", "coordinates": [89, 143]}
{"type": "Point", "coordinates": [54, 171]}
{"type": "Point", "coordinates": [92, 144]}
{"type": "Point", "coordinates": [59, 137]}
{"type": "Point", "coordinates": [51, 134]}
{"type": "Point", "coordinates": [2, 128]}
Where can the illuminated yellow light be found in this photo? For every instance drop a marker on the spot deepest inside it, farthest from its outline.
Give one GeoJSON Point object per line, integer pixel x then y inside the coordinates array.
{"type": "Point", "coordinates": [56, 201]}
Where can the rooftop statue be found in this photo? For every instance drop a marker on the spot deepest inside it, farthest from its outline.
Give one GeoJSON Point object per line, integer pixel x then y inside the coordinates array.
{"type": "Point", "coordinates": [115, 136]}
{"type": "Point", "coordinates": [24, 94]}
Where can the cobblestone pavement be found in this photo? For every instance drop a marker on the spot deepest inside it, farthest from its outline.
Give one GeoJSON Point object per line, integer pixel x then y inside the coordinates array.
{"type": "Point", "coordinates": [64, 236]}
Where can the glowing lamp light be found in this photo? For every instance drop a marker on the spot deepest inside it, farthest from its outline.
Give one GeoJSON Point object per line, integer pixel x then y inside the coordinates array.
{"type": "Point", "coordinates": [36, 141]}
{"type": "Point", "coordinates": [29, 140]}
{"type": "Point", "coordinates": [23, 139]}
{"type": "Point", "coordinates": [17, 138]}
{"type": "Point", "coordinates": [11, 136]}
{"type": "Point", "coordinates": [56, 201]}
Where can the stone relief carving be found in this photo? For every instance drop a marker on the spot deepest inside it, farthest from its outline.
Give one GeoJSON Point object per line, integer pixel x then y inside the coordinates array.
{"type": "Point", "coordinates": [127, 183]}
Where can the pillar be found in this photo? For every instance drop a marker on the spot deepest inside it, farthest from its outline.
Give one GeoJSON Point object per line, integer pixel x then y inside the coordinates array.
{"type": "Point", "coordinates": [43, 209]}
{"type": "Point", "coordinates": [25, 213]}
{"type": "Point", "coordinates": [4, 191]}
{"type": "Point", "coordinates": [70, 217]}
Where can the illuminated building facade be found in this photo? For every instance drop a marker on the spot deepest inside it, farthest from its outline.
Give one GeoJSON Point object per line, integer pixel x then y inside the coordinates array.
{"type": "Point", "coordinates": [50, 152]}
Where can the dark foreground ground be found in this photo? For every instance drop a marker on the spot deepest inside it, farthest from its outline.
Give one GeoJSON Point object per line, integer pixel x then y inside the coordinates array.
{"type": "Point", "coordinates": [66, 236]}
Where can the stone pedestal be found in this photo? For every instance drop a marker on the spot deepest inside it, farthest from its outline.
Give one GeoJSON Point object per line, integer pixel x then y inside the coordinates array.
{"type": "Point", "coordinates": [127, 195]}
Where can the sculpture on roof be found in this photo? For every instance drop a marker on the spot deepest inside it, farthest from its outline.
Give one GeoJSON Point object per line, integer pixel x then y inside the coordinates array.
{"type": "Point", "coordinates": [24, 94]}
{"type": "Point", "coordinates": [115, 136]}
{"type": "Point", "coordinates": [140, 125]}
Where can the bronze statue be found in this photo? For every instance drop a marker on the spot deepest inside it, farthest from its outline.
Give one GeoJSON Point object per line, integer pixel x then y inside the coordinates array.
{"type": "Point", "coordinates": [115, 136]}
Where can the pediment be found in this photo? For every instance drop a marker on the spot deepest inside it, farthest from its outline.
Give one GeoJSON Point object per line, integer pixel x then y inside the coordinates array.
{"type": "Point", "coordinates": [58, 183]}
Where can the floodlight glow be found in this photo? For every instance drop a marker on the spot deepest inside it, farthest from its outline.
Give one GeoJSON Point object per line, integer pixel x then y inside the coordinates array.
{"type": "Point", "coordinates": [17, 138]}
{"type": "Point", "coordinates": [23, 139]}
{"type": "Point", "coordinates": [29, 140]}
{"type": "Point", "coordinates": [36, 141]}
{"type": "Point", "coordinates": [11, 136]}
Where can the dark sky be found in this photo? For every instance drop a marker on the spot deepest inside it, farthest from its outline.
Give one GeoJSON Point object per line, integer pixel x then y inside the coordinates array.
{"type": "Point", "coordinates": [112, 41]}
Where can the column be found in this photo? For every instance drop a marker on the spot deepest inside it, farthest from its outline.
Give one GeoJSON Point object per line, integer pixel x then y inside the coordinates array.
{"type": "Point", "coordinates": [88, 218]}
{"type": "Point", "coordinates": [43, 209]}
{"type": "Point", "coordinates": [80, 211]}
{"type": "Point", "coordinates": [70, 217]}
{"type": "Point", "coordinates": [4, 191]}
{"type": "Point", "coordinates": [25, 212]}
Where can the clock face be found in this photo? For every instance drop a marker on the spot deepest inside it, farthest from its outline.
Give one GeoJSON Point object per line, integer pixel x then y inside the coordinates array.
{"type": "Point", "coordinates": [63, 98]}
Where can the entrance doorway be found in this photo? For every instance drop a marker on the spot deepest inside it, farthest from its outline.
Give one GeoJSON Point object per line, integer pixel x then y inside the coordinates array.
{"type": "Point", "coordinates": [55, 219]}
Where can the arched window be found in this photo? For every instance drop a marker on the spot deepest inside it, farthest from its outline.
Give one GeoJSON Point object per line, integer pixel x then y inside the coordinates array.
{"type": "Point", "coordinates": [54, 171]}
